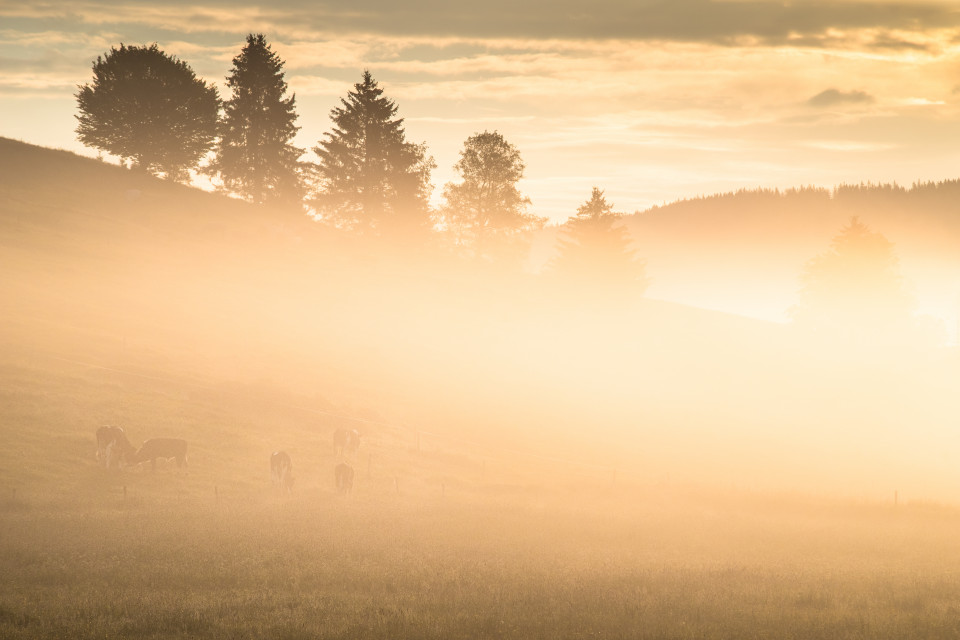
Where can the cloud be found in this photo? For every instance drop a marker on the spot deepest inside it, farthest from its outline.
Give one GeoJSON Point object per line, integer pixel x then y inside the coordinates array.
{"type": "Point", "coordinates": [848, 145]}
{"type": "Point", "coordinates": [717, 21]}
{"type": "Point", "coordinates": [835, 97]}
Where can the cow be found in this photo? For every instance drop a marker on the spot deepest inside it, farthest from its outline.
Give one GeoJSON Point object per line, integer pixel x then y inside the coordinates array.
{"type": "Point", "coordinates": [165, 448]}
{"type": "Point", "coordinates": [113, 447]}
{"type": "Point", "coordinates": [346, 441]}
{"type": "Point", "coordinates": [343, 477]}
{"type": "Point", "coordinates": [281, 471]}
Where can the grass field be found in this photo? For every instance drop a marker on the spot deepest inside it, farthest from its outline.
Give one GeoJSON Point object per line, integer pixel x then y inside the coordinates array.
{"type": "Point", "coordinates": [446, 542]}
{"type": "Point", "coordinates": [632, 562]}
{"type": "Point", "coordinates": [526, 471]}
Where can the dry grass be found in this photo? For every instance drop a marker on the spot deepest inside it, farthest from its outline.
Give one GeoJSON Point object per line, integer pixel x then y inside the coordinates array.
{"type": "Point", "coordinates": [649, 562]}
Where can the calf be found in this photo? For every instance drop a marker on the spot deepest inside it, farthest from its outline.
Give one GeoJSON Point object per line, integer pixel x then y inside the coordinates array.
{"type": "Point", "coordinates": [343, 477]}
{"type": "Point", "coordinates": [281, 471]}
{"type": "Point", "coordinates": [165, 448]}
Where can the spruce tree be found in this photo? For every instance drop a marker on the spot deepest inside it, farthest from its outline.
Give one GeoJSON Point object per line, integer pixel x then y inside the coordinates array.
{"type": "Point", "coordinates": [255, 158]}
{"type": "Point", "coordinates": [370, 178]}
{"type": "Point", "coordinates": [595, 249]}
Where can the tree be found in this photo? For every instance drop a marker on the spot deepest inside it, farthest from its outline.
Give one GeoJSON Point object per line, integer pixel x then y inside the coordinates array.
{"type": "Point", "coordinates": [370, 178]}
{"type": "Point", "coordinates": [485, 213]}
{"type": "Point", "coordinates": [856, 284]}
{"type": "Point", "coordinates": [595, 249]}
{"type": "Point", "coordinates": [149, 109]}
{"type": "Point", "coordinates": [254, 156]}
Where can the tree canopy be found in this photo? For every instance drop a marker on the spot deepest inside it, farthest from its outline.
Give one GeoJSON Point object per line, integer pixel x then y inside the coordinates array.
{"type": "Point", "coordinates": [485, 213]}
{"type": "Point", "coordinates": [855, 283]}
{"type": "Point", "coordinates": [255, 158]}
{"type": "Point", "coordinates": [370, 177]}
{"type": "Point", "coordinates": [594, 249]}
{"type": "Point", "coordinates": [148, 108]}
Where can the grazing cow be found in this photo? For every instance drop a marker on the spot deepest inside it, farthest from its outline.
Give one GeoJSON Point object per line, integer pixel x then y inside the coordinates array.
{"type": "Point", "coordinates": [112, 447]}
{"type": "Point", "coordinates": [346, 441]}
{"type": "Point", "coordinates": [165, 448]}
{"type": "Point", "coordinates": [343, 477]}
{"type": "Point", "coordinates": [281, 471]}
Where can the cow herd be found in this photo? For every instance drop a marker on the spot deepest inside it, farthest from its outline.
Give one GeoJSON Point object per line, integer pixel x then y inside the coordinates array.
{"type": "Point", "coordinates": [114, 451]}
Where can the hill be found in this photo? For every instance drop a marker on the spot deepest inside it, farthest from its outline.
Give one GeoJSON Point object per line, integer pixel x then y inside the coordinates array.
{"type": "Point", "coordinates": [172, 311]}
{"type": "Point", "coordinates": [743, 252]}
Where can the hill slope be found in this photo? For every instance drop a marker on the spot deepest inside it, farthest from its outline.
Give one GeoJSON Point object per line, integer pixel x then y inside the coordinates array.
{"type": "Point", "coordinates": [177, 312]}
{"type": "Point", "coordinates": [743, 252]}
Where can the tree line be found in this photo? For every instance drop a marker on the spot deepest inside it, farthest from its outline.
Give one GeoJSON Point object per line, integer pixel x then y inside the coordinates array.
{"type": "Point", "coordinates": [153, 112]}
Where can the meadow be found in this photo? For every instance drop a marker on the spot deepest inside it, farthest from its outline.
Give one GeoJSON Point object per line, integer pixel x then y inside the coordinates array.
{"type": "Point", "coordinates": [529, 468]}
{"type": "Point", "coordinates": [528, 562]}
{"type": "Point", "coordinates": [439, 539]}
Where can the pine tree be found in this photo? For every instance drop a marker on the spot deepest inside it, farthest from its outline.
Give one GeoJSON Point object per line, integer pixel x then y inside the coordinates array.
{"type": "Point", "coordinates": [255, 158]}
{"type": "Point", "coordinates": [485, 214]}
{"type": "Point", "coordinates": [594, 249]}
{"type": "Point", "coordinates": [150, 109]}
{"type": "Point", "coordinates": [370, 178]}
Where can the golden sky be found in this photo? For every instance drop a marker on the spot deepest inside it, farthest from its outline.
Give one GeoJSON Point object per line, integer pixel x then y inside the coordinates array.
{"type": "Point", "coordinates": [650, 100]}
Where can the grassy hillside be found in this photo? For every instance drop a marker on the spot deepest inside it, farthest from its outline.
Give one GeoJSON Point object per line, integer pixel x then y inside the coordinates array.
{"type": "Point", "coordinates": [172, 311]}
{"type": "Point", "coordinates": [532, 464]}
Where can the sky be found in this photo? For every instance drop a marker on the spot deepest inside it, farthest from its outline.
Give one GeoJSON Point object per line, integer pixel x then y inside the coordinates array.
{"type": "Point", "coordinates": [650, 100]}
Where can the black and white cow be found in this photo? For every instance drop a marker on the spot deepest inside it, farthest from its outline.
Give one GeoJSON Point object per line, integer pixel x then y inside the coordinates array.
{"type": "Point", "coordinates": [113, 447]}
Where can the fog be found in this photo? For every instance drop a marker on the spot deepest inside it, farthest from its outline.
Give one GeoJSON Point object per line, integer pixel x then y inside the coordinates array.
{"type": "Point", "coordinates": [196, 291]}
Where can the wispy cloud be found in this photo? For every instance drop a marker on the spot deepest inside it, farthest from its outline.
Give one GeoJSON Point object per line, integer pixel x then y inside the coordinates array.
{"type": "Point", "coordinates": [766, 21]}
{"type": "Point", "coordinates": [834, 97]}
{"type": "Point", "coordinates": [847, 145]}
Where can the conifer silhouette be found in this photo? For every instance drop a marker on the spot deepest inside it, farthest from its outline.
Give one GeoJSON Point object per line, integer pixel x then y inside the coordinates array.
{"type": "Point", "coordinates": [255, 158]}
{"type": "Point", "coordinates": [371, 179]}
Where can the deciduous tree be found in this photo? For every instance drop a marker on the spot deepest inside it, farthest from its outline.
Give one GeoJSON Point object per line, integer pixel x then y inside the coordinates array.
{"type": "Point", "coordinates": [485, 214]}
{"type": "Point", "coordinates": [856, 283]}
{"type": "Point", "coordinates": [150, 109]}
